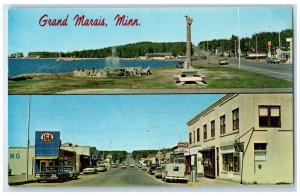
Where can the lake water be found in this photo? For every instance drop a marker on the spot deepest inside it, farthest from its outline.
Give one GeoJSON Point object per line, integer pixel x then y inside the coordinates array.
{"type": "Point", "coordinates": [24, 66]}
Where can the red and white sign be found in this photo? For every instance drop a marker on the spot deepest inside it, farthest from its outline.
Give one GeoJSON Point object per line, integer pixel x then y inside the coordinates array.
{"type": "Point", "coordinates": [47, 137]}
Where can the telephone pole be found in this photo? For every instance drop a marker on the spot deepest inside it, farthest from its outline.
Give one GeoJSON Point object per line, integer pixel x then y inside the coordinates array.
{"type": "Point", "coordinates": [28, 141]}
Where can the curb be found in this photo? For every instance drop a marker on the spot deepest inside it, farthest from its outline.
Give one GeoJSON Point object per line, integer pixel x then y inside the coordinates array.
{"type": "Point", "coordinates": [21, 182]}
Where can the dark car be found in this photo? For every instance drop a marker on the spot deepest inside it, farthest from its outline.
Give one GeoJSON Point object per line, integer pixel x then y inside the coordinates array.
{"type": "Point", "coordinates": [73, 174]}
{"type": "Point", "coordinates": [152, 168]}
{"type": "Point", "coordinates": [273, 60]}
{"type": "Point", "coordinates": [52, 174]}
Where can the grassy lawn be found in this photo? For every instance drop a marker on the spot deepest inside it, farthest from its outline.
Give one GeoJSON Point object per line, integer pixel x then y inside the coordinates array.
{"type": "Point", "coordinates": [161, 78]}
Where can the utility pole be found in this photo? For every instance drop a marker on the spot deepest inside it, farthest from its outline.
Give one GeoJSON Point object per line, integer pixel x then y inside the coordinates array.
{"type": "Point", "coordinates": [235, 48]}
{"type": "Point", "coordinates": [239, 42]}
{"type": "Point", "coordinates": [256, 47]}
{"type": "Point", "coordinates": [28, 141]}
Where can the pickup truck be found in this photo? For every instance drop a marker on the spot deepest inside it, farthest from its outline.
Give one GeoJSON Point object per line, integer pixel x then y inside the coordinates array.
{"type": "Point", "coordinates": [173, 172]}
{"type": "Point", "coordinates": [52, 174]}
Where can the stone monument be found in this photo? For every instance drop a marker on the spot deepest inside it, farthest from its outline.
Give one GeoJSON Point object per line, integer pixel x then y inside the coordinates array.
{"type": "Point", "coordinates": [188, 73]}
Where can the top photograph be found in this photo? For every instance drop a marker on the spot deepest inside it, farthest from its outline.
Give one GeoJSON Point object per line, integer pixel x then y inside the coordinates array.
{"type": "Point", "coordinates": [119, 50]}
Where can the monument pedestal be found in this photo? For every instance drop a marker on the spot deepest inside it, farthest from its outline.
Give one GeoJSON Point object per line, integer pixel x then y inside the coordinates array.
{"type": "Point", "coordinates": [188, 76]}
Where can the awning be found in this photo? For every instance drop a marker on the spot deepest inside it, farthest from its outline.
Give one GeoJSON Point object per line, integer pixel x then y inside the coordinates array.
{"type": "Point", "coordinates": [46, 157]}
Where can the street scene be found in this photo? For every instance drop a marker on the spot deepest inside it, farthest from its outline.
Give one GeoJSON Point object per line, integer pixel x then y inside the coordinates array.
{"type": "Point", "coordinates": [174, 140]}
{"type": "Point", "coordinates": [156, 97]}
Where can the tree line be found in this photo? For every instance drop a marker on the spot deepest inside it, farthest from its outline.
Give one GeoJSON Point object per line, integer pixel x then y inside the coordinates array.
{"type": "Point", "coordinates": [116, 155]}
{"type": "Point", "coordinates": [138, 154]}
{"type": "Point", "coordinates": [123, 51]}
{"type": "Point", "coordinates": [249, 44]}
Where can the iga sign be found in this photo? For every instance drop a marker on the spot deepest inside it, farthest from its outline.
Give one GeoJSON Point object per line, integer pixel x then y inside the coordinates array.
{"type": "Point", "coordinates": [47, 137]}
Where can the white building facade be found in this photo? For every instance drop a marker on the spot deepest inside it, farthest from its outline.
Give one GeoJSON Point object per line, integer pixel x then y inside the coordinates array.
{"type": "Point", "coordinates": [244, 137]}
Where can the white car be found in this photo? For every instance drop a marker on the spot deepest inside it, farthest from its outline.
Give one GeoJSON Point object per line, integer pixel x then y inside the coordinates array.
{"type": "Point", "coordinates": [90, 170]}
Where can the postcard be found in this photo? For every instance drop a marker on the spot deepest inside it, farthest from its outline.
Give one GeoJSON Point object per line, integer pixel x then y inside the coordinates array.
{"type": "Point", "coordinates": [150, 97]}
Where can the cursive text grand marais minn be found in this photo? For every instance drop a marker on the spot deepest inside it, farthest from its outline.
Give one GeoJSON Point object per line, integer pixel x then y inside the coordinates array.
{"type": "Point", "coordinates": [82, 20]}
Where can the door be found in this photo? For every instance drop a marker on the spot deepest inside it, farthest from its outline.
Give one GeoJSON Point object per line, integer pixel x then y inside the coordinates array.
{"type": "Point", "coordinates": [42, 165]}
{"type": "Point", "coordinates": [209, 163]}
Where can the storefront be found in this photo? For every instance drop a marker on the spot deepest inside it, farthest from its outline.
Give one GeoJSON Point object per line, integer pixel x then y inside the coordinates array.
{"type": "Point", "coordinates": [209, 167]}
{"type": "Point", "coordinates": [48, 152]}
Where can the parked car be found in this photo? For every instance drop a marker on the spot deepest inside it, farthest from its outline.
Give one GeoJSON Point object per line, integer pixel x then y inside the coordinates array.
{"type": "Point", "coordinates": [173, 171]}
{"type": "Point", "coordinates": [157, 172]}
{"type": "Point", "coordinates": [114, 165]}
{"type": "Point", "coordinates": [73, 173]}
{"type": "Point", "coordinates": [90, 170]}
{"type": "Point", "coordinates": [124, 166]}
{"type": "Point", "coordinates": [152, 168]}
{"type": "Point", "coordinates": [223, 61]}
{"type": "Point", "coordinates": [273, 60]}
{"type": "Point", "coordinates": [52, 174]}
{"type": "Point", "coordinates": [9, 170]}
{"type": "Point", "coordinates": [131, 165]}
{"type": "Point", "coordinates": [101, 168]}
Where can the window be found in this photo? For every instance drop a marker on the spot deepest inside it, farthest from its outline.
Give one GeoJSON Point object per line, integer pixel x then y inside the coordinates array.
{"type": "Point", "coordinates": [222, 124]}
{"type": "Point", "coordinates": [190, 138]}
{"type": "Point", "coordinates": [204, 132]}
{"type": "Point", "coordinates": [231, 162]}
{"type": "Point", "coordinates": [269, 116]}
{"type": "Point", "coordinates": [212, 130]}
{"type": "Point", "coordinates": [235, 119]}
{"type": "Point", "coordinates": [198, 135]}
{"type": "Point", "coordinates": [194, 136]}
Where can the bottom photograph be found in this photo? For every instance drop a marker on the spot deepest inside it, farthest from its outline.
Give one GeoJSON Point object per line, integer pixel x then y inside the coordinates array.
{"type": "Point", "coordinates": [165, 140]}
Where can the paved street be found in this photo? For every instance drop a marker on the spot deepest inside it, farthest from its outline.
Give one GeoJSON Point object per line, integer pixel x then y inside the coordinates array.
{"type": "Point", "coordinates": [280, 71]}
{"type": "Point", "coordinates": [113, 177]}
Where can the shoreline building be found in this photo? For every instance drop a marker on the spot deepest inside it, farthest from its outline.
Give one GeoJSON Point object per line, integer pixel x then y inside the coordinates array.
{"type": "Point", "coordinates": [244, 137]}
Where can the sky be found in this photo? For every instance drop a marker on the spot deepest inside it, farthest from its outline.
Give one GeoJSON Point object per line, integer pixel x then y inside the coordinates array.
{"type": "Point", "coordinates": [157, 24]}
{"type": "Point", "coordinates": [108, 122]}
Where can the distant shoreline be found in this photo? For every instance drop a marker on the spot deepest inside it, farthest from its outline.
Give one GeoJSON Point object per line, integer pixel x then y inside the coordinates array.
{"type": "Point", "coordinates": [79, 59]}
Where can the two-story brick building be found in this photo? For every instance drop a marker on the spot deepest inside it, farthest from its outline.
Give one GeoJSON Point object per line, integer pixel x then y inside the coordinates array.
{"type": "Point", "coordinates": [244, 137]}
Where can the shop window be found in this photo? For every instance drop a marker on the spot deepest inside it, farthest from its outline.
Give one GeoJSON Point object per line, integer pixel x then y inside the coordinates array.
{"type": "Point", "coordinates": [212, 128]}
{"type": "Point", "coordinates": [235, 119]}
{"type": "Point", "coordinates": [204, 132]}
{"type": "Point", "coordinates": [198, 135]}
{"type": "Point", "coordinates": [231, 162]}
{"type": "Point", "coordinates": [269, 116]}
{"type": "Point", "coordinates": [222, 124]}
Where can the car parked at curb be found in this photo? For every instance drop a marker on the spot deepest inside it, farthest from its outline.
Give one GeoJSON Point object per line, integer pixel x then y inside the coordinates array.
{"type": "Point", "coordinates": [52, 174]}
{"type": "Point", "coordinates": [157, 172]}
{"type": "Point", "coordinates": [73, 173]}
{"type": "Point", "coordinates": [90, 170]}
{"type": "Point", "coordinates": [101, 168]}
{"type": "Point", "coordinates": [152, 168]}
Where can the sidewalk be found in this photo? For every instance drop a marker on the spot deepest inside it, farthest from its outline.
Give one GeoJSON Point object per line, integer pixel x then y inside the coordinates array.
{"type": "Point", "coordinates": [19, 179]}
{"type": "Point", "coordinates": [202, 181]}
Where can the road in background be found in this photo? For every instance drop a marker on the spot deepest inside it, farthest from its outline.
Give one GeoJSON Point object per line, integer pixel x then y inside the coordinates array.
{"type": "Point", "coordinates": [280, 71]}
